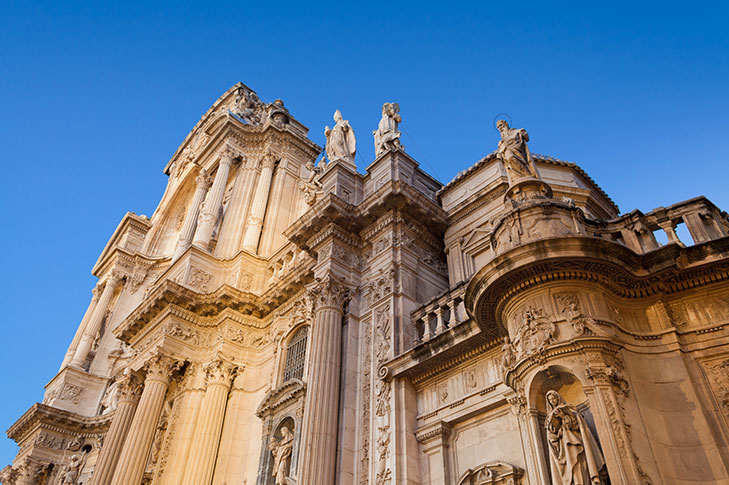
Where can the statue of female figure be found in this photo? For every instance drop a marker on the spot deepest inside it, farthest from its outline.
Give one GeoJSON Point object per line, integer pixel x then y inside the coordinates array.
{"type": "Point", "coordinates": [514, 152]}
{"type": "Point", "coordinates": [281, 451]}
{"type": "Point", "coordinates": [341, 143]}
{"type": "Point", "coordinates": [386, 136]}
{"type": "Point", "coordinates": [574, 456]}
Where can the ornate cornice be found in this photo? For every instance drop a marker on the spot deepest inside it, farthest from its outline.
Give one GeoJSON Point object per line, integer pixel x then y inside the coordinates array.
{"type": "Point", "coordinates": [57, 419]}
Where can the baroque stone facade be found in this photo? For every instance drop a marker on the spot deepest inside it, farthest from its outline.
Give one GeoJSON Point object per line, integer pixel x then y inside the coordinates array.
{"type": "Point", "coordinates": [284, 319]}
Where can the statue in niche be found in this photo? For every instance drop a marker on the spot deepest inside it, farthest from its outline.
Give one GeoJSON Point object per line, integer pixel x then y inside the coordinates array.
{"type": "Point", "coordinates": [387, 137]}
{"type": "Point", "coordinates": [71, 472]}
{"type": "Point", "coordinates": [341, 142]}
{"type": "Point", "coordinates": [514, 152]}
{"type": "Point", "coordinates": [574, 456]}
{"type": "Point", "coordinates": [281, 450]}
{"type": "Point", "coordinates": [248, 106]}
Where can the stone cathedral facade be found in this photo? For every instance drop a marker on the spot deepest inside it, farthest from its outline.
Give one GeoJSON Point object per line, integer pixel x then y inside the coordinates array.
{"type": "Point", "coordinates": [284, 319]}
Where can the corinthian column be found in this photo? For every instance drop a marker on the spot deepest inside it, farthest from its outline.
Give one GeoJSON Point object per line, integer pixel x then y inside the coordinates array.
{"type": "Point", "coordinates": [258, 208]}
{"type": "Point", "coordinates": [128, 390]}
{"type": "Point", "coordinates": [231, 230]}
{"type": "Point", "coordinates": [219, 375]}
{"type": "Point", "coordinates": [82, 327]}
{"type": "Point", "coordinates": [214, 199]}
{"type": "Point", "coordinates": [188, 228]}
{"type": "Point", "coordinates": [97, 317]}
{"type": "Point", "coordinates": [134, 454]}
{"type": "Point", "coordinates": [319, 424]}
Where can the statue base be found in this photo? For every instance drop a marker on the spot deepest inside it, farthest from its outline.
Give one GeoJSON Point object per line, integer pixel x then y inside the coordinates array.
{"type": "Point", "coordinates": [527, 188]}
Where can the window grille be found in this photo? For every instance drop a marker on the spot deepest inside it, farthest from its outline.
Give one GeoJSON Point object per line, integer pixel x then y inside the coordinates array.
{"type": "Point", "coordinates": [296, 355]}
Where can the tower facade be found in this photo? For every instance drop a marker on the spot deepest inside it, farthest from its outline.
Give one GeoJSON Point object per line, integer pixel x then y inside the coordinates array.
{"type": "Point", "coordinates": [283, 319]}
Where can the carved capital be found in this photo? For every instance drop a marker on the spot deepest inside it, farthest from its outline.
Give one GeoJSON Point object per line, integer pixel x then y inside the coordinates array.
{"type": "Point", "coordinates": [115, 278]}
{"type": "Point", "coordinates": [228, 154]}
{"type": "Point", "coordinates": [268, 160]}
{"type": "Point", "coordinates": [610, 376]}
{"type": "Point", "coordinates": [160, 367]}
{"type": "Point", "coordinates": [203, 180]}
{"type": "Point", "coordinates": [96, 292]}
{"type": "Point", "coordinates": [329, 291]}
{"type": "Point", "coordinates": [219, 372]}
{"type": "Point", "coordinates": [128, 388]}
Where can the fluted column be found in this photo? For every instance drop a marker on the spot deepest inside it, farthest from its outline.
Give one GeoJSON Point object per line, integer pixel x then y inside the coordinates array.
{"type": "Point", "coordinates": [199, 471]}
{"type": "Point", "coordinates": [128, 390]}
{"type": "Point", "coordinates": [97, 317]}
{"type": "Point", "coordinates": [319, 424]}
{"type": "Point", "coordinates": [192, 397]}
{"type": "Point", "coordinates": [258, 207]}
{"type": "Point", "coordinates": [231, 230]}
{"type": "Point", "coordinates": [134, 454]}
{"type": "Point", "coordinates": [82, 327]}
{"type": "Point", "coordinates": [214, 199]}
{"type": "Point", "coordinates": [203, 182]}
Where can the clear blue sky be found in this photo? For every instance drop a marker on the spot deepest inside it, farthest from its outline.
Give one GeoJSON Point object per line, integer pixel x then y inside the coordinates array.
{"type": "Point", "coordinates": [97, 96]}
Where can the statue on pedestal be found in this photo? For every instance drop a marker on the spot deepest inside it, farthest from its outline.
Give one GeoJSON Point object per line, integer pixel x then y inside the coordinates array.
{"type": "Point", "coordinates": [574, 456]}
{"type": "Point", "coordinates": [341, 142]}
{"type": "Point", "coordinates": [312, 185]}
{"type": "Point", "coordinates": [281, 450]}
{"type": "Point", "coordinates": [71, 472]}
{"type": "Point", "coordinates": [514, 152]}
{"type": "Point", "coordinates": [387, 137]}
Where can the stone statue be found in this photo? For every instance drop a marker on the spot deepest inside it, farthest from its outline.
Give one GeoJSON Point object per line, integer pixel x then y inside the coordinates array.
{"type": "Point", "coordinates": [574, 456]}
{"type": "Point", "coordinates": [71, 472]}
{"type": "Point", "coordinates": [386, 136]}
{"type": "Point", "coordinates": [514, 152]}
{"type": "Point", "coordinates": [248, 106]}
{"type": "Point", "coordinates": [341, 143]}
{"type": "Point", "coordinates": [312, 185]}
{"type": "Point", "coordinates": [281, 450]}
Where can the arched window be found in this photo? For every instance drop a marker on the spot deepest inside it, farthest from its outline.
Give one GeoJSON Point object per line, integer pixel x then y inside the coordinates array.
{"type": "Point", "coordinates": [296, 355]}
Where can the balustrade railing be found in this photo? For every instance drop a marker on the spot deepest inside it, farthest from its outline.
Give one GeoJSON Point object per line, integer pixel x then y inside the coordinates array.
{"type": "Point", "coordinates": [439, 315]}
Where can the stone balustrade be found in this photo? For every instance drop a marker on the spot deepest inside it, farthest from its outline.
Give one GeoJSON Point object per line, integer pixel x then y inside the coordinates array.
{"type": "Point", "coordinates": [442, 313]}
{"type": "Point", "coordinates": [703, 220]}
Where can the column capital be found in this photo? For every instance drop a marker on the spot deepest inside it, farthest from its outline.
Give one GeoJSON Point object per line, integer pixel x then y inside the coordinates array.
{"type": "Point", "coordinates": [160, 367]}
{"type": "Point", "coordinates": [228, 154]}
{"type": "Point", "coordinates": [219, 372]}
{"type": "Point", "coordinates": [128, 388]}
{"type": "Point", "coordinates": [268, 160]}
{"type": "Point", "coordinates": [114, 279]}
{"type": "Point", "coordinates": [203, 180]}
{"type": "Point", "coordinates": [329, 291]}
{"type": "Point", "coordinates": [96, 292]}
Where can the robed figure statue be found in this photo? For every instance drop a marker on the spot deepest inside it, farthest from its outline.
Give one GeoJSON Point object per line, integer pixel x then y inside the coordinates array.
{"type": "Point", "coordinates": [514, 152]}
{"type": "Point", "coordinates": [281, 451]}
{"type": "Point", "coordinates": [341, 143]}
{"type": "Point", "coordinates": [387, 137]}
{"type": "Point", "coordinates": [574, 456]}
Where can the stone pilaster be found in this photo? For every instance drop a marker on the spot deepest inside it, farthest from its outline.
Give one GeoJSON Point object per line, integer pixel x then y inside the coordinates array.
{"type": "Point", "coordinates": [319, 423]}
{"type": "Point", "coordinates": [135, 452]}
{"type": "Point", "coordinates": [128, 390]}
{"type": "Point", "coordinates": [97, 317]}
{"type": "Point", "coordinates": [219, 375]}
{"type": "Point", "coordinates": [258, 208]}
{"type": "Point", "coordinates": [214, 199]}
{"type": "Point", "coordinates": [203, 182]}
{"type": "Point", "coordinates": [82, 327]}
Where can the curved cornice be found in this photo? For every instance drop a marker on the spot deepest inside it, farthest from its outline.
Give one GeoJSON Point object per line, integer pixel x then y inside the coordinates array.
{"type": "Point", "coordinates": [624, 273]}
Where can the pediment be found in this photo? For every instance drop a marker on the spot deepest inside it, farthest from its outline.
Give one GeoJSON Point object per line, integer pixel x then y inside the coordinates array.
{"type": "Point", "coordinates": [285, 393]}
{"type": "Point", "coordinates": [495, 472]}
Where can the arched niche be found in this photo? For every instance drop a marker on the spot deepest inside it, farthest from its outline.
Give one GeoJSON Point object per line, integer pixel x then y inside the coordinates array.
{"type": "Point", "coordinates": [563, 381]}
{"type": "Point", "coordinates": [280, 456]}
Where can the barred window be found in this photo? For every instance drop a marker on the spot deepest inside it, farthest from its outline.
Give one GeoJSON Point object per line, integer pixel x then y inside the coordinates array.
{"type": "Point", "coordinates": [296, 355]}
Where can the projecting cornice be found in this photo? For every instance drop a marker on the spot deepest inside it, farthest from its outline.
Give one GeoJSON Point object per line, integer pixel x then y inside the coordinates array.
{"type": "Point", "coordinates": [170, 293]}
{"type": "Point", "coordinates": [621, 271]}
{"type": "Point", "coordinates": [41, 415]}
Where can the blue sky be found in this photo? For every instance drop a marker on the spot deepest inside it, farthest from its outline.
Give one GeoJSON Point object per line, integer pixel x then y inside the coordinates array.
{"type": "Point", "coordinates": [96, 97]}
